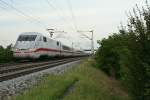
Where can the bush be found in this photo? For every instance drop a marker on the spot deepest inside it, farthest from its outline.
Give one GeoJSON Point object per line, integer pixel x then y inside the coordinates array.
{"type": "Point", "coordinates": [6, 54]}
{"type": "Point", "coordinates": [126, 55]}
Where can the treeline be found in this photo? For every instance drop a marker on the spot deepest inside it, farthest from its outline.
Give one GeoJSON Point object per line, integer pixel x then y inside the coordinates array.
{"type": "Point", "coordinates": [126, 55]}
{"type": "Point", "coordinates": [6, 54]}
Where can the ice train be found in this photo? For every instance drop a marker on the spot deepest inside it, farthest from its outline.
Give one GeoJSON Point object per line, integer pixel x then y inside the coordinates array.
{"type": "Point", "coordinates": [34, 45]}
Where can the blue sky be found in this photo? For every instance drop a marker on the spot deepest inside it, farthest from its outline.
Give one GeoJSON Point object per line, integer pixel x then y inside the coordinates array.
{"type": "Point", "coordinates": [102, 16]}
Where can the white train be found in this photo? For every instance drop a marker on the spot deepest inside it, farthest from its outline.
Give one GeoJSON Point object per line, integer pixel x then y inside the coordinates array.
{"type": "Point", "coordinates": [34, 45]}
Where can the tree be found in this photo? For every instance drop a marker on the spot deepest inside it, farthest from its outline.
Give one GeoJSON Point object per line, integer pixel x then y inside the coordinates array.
{"type": "Point", "coordinates": [126, 55]}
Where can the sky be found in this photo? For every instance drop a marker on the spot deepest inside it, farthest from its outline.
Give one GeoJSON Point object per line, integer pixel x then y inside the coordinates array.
{"type": "Point", "coordinates": [102, 16]}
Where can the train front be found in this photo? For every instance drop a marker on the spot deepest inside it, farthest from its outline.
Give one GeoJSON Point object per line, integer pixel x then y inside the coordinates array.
{"type": "Point", "coordinates": [25, 46]}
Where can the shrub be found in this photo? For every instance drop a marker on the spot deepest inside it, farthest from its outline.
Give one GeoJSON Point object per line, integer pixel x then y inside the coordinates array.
{"type": "Point", "coordinates": [126, 55]}
{"type": "Point", "coordinates": [6, 54]}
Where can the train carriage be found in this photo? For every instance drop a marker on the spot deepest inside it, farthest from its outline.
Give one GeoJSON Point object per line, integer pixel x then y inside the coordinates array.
{"type": "Point", "coordinates": [34, 45]}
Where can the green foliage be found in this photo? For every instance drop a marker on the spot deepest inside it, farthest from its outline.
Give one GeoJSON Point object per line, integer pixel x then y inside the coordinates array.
{"type": "Point", "coordinates": [126, 55]}
{"type": "Point", "coordinates": [108, 54]}
{"type": "Point", "coordinates": [6, 54]}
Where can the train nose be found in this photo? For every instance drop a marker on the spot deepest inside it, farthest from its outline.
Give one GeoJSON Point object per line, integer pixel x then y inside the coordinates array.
{"type": "Point", "coordinates": [26, 54]}
{"type": "Point", "coordinates": [21, 55]}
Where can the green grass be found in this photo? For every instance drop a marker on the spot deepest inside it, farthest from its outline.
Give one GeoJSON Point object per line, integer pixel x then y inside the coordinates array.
{"type": "Point", "coordinates": [51, 88]}
{"type": "Point", "coordinates": [92, 85]}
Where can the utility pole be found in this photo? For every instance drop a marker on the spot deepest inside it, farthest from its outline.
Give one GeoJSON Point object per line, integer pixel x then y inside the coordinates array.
{"type": "Point", "coordinates": [90, 38]}
{"type": "Point", "coordinates": [72, 46]}
{"type": "Point", "coordinates": [92, 41]}
{"type": "Point", "coordinates": [52, 31]}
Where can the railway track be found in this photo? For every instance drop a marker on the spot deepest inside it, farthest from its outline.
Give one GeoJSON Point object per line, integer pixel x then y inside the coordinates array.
{"type": "Point", "coordinates": [14, 63]}
{"type": "Point", "coordinates": [14, 71]}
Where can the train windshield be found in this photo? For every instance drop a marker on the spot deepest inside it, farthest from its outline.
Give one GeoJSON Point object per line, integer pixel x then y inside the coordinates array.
{"type": "Point", "coordinates": [27, 38]}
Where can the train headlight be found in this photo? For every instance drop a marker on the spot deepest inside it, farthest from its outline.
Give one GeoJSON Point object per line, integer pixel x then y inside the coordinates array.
{"type": "Point", "coordinates": [14, 49]}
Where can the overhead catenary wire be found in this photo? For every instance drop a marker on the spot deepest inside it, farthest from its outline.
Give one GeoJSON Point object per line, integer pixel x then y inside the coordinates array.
{"type": "Point", "coordinates": [72, 15]}
{"type": "Point", "coordinates": [2, 7]}
{"type": "Point", "coordinates": [60, 13]}
{"type": "Point", "coordinates": [53, 7]}
{"type": "Point", "coordinates": [5, 7]}
{"type": "Point", "coordinates": [31, 18]}
{"type": "Point", "coordinates": [75, 21]}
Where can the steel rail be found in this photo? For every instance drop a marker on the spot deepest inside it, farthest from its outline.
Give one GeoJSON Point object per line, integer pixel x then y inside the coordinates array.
{"type": "Point", "coordinates": [23, 66]}
{"type": "Point", "coordinates": [12, 73]}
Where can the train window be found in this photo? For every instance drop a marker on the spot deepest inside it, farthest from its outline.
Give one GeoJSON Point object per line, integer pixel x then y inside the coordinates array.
{"type": "Point", "coordinates": [27, 37]}
{"type": "Point", "coordinates": [44, 39]}
{"type": "Point", "coordinates": [57, 43]}
{"type": "Point", "coordinates": [66, 47]}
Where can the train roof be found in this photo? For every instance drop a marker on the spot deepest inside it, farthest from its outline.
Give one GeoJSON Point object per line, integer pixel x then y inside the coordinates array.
{"type": "Point", "coordinates": [37, 33]}
{"type": "Point", "coordinates": [31, 33]}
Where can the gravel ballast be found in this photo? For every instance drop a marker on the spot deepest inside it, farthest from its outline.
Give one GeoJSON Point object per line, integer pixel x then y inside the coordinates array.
{"type": "Point", "coordinates": [18, 85]}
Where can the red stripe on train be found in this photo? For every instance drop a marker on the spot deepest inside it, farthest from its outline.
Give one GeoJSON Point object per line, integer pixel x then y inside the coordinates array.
{"type": "Point", "coordinates": [44, 49]}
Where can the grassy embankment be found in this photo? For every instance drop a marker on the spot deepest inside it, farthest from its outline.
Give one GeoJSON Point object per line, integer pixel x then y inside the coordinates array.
{"type": "Point", "coordinates": [90, 84]}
